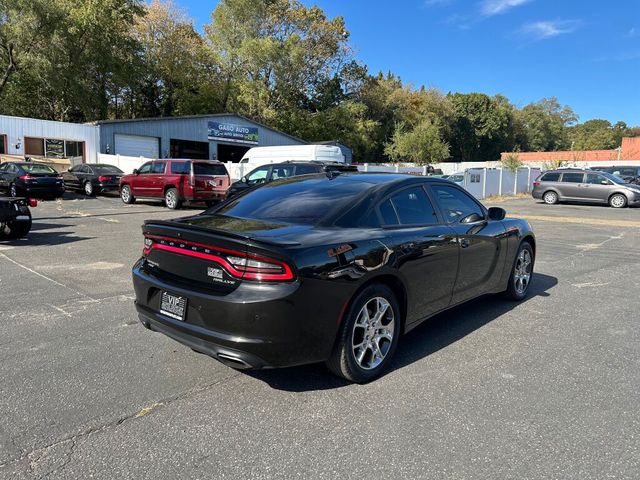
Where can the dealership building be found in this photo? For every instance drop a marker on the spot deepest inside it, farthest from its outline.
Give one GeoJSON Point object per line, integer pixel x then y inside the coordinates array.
{"type": "Point", "coordinates": [223, 137]}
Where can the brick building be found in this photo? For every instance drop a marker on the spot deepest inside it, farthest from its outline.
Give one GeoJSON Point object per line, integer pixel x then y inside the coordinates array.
{"type": "Point", "coordinates": [629, 150]}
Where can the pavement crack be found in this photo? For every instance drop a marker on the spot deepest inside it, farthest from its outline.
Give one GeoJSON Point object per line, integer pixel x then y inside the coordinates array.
{"type": "Point", "coordinates": [36, 455]}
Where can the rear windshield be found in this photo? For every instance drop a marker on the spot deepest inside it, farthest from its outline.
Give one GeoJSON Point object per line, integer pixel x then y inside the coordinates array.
{"type": "Point", "coordinates": [201, 168]}
{"type": "Point", "coordinates": [106, 169]}
{"type": "Point", "coordinates": [37, 168]}
{"type": "Point", "coordinates": [302, 202]}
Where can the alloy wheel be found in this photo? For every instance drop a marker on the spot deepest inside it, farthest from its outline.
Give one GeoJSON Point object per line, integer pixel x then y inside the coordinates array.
{"type": "Point", "coordinates": [170, 199]}
{"type": "Point", "coordinates": [618, 201]}
{"type": "Point", "coordinates": [550, 198]}
{"type": "Point", "coordinates": [522, 272]}
{"type": "Point", "coordinates": [88, 188]}
{"type": "Point", "coordinates": [125, 194]}
{"type": "Point", "coordinates": [13, 191]}
{"type": "Point", "coordinates": [373, 333]}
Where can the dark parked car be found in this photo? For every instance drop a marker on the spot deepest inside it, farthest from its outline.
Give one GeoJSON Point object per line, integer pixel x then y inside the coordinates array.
{"type": "Point", "coordinates": [629, 173]}
{"type": "Point", "coordinates": [30, 179]}
{"type": "Point", "coordinates": [15, 217]}
{"type": "Point", "coordinates": [176, 181]}
{"type": "Point", "coordinates": [93, 178]}
{"type": "Point", "coordinates": [276, 171]}
{"type": "Point", "coordinates": [576, 185]}
{"type": "Point", "coordinates": [326, 268]}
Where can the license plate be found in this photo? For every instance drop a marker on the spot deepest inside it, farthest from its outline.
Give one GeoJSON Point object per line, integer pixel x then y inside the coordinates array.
{"type": "Point", "coordinates": [173, 306]}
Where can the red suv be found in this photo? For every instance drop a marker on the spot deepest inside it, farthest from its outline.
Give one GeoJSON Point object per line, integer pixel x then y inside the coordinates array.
{"type": "Point", "coordinates": [176, 181]}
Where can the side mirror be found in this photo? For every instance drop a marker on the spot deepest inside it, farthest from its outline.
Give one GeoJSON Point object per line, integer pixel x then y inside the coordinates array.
{"type": "Point", "coordinates": [605, 182]}
{"type": "Point", "coordinates": [243, 179]}
{"type": "Point", "coordinates": [497, 213]}
{"type": "Point", "coordinates": [135, 171]}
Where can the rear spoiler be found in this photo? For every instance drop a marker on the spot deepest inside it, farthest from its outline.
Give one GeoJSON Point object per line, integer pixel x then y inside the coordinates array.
{"type": "Point", "coordinates": [181, 227]}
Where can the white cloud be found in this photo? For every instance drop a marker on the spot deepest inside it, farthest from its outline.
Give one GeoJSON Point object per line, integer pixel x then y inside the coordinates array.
{"type": "Point", "coordinates": [550, 28]}
{"type": "Point", "coordinates": [496, 7]}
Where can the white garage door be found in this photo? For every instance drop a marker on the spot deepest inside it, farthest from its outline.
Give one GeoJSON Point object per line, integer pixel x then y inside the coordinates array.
{"type": "Point", "coordinates": [137, 146]}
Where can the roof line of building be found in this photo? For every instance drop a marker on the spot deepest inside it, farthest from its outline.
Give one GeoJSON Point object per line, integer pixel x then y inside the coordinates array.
{"type": "Point", "coordinates": [187, 117]}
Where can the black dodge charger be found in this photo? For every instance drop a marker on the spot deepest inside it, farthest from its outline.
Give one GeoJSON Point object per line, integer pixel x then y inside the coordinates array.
{"type": "Point", "coordinates": [329, 268]}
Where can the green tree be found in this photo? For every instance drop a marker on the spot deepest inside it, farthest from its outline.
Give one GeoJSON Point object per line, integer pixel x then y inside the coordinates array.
{"type": "Point", "coordinates": [592, 135]}
{"type": "Point", "coordinates": [422, 145]}
{"type": "Point", "coordinates": [482, 127]}
{"type": "Point", "coordinates": [545, 125]}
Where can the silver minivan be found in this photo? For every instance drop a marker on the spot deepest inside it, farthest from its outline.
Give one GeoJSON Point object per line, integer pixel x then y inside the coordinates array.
{"type": "Point", "coordinates": [577, 185]}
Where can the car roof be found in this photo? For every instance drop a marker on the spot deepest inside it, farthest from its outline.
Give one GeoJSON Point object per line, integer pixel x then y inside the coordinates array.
{"type": "Point", "coordinates": [185, 160]}
{"type": "Point", "coordinates": [373, 178]}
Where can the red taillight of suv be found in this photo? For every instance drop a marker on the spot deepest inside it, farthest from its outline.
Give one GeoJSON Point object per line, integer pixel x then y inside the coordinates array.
{"type": "Point", "coordinates": [245, 266]}
{"type": "Point", "coordinates": [536, 184]}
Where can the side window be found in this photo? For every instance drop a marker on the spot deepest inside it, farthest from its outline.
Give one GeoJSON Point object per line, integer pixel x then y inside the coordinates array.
{"type": "Point", "coordinates": [146, 168]}
{"type": "Point", "coordinates": [551, 177]}
{"type": "Point", "coordinates": [88, 169]}
{"type": "Point", "coordinates": [158, 167]}
{"type": "Point", "coordinates": [3, 167]}
{"type": "Point", "coordinates": [306, 169]}
{"type": "Point", "coordinates": [595, 179]}
{"type": "Point", "coordinates": [572, 177]}
{"type": "Point", "coordinates": [455, 204]}
{"type": "Point", "coordinates": [180, 168]}
{"type": "Point", "coordinates": [281, 172]}
{"type": "Point", "coordinates": [83, 169]}
{"type": "Point", "coordinates": [259, 175]}
{"type": "Point", "coordinates": [410, 206]}
{"type": "Point", "coordinates": [12, 169]}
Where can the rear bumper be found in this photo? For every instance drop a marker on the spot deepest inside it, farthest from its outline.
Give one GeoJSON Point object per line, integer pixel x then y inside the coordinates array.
{"type": "Point", "coordinates": [108, 187]}
{"type": "Point", "coordinates": [205, 196]}
{"type": "Point", "coordinates": [255, 326]}
{"type": "Point", "coordinates": [42, 192]}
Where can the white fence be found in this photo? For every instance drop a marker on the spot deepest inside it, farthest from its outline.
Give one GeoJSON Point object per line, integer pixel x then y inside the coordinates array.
{"type": "Point", "coordinates": [487, 182]}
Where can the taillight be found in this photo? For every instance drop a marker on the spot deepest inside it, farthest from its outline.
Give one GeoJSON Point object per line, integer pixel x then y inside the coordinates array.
{"type": "Point", "coordinates": [536, 184]}
{"type": "Point", "coordinates": [33, 202]}
{"type": "Point", "coordinates": [246, 266]}
{"type": "Point", "coordinates": [25, 177]}
{"type": "Point", "coordinates": [103, 178]}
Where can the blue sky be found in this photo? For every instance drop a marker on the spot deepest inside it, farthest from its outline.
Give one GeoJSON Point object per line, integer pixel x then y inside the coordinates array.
{"type": "Point", "coordinates": [585, 52]}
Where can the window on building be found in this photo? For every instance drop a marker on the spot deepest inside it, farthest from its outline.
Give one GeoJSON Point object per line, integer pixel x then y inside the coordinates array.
{"type": "Point", "coordinates": [53, 148]}
{"type": "Point", "coordinates": [3, 143]}
{"type": "Point", "coordinates": [34, 147]}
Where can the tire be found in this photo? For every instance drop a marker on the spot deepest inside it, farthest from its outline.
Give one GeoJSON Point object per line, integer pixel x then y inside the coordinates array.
{"type": "Point", "coordinates": [550, 197]}
{"type": "Point", "coordinates": [617, 200]}
{"type": "Point", "coordinates": [18, 229]}
{"type": "Point", "coordinates": [125, 194]}
{"type": "Point", "coordinates": [13, 190]}
{"type": "Point", "coordinates": [171, 199]}
{"type": "Point", "coordinates": [88, 189]}
{"type": "Point", "coordinates": [362, 351]}
{"type": "Point", "coordinates": [521, 273]}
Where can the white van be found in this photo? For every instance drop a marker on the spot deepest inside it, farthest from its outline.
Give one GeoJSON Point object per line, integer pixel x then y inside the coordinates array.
{"type": "Point", "coordinates": [263, 155]}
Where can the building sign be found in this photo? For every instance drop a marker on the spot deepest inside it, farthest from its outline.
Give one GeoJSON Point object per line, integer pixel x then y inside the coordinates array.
{"type": "Point", "coordinates": [54, 148]}
{"type": "Point", "coordinates": [229, 132]}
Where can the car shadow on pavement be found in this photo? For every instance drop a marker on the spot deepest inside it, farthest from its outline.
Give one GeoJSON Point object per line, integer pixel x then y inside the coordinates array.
{"type": "Point", "coordinates": [433, 335]}
{"type": "Point", "coordinates": [35, 239]}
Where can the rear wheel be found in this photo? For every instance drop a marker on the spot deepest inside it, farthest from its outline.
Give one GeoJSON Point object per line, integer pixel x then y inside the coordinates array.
{"type": "Point", "coordinates": [550, 197]}
{"type": "Point", "coordinates": [88, 189]}
{"type": "Point", "coordinates": [171, 199]}
{"type": "Point", "coordinates": [618, 200]}
{"type": "Point", "coordinates": [126, 195]}
{"type": "Point", "coordinates": [13, 190]}
{"type": "Point", "coordinates": [521, 273]}
{"type": "Point", "coordinates": [15, 229]}
{"type": "Point", "coordinates": [368, 336]}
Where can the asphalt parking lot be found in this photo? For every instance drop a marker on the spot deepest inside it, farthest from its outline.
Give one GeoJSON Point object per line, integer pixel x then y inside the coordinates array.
{"type": "Point", "coordinates": [548, 388]}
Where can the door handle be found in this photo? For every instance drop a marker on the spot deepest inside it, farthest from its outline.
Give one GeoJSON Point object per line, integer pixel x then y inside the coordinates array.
{"type": "Point", "coordinates": [464, 242]}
